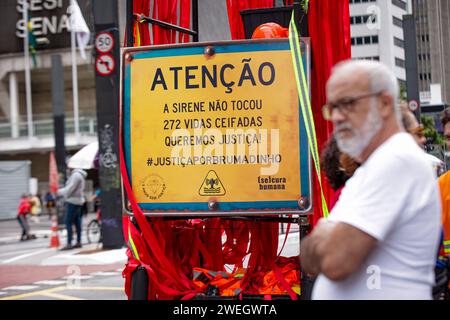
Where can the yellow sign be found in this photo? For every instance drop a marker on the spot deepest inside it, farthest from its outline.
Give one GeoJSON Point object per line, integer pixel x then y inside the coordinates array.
{"type": "Point", "coordinates": [221, 128]}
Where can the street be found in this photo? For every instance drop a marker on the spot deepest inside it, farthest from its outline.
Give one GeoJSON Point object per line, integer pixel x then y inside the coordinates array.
{"type": "Point", "coordinates": [30, 270]}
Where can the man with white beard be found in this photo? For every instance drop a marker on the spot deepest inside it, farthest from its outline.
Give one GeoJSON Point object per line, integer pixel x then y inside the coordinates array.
{"type": "Point", "coordinates": [381, 238]}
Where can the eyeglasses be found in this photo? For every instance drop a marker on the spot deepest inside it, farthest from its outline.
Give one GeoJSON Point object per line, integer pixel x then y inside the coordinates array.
{"type": "Point", "coordinates": [345, 105]}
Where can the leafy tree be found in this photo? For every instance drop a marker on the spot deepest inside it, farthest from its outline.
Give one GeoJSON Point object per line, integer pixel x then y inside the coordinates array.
{"type": "Point", "coordinates": [402, 92]}
{"type": "Point", "coordinates": [432, 135]}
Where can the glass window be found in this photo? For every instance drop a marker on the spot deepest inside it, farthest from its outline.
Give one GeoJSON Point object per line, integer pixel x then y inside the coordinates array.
{"type": "Point", "coordinates": [397, 22]}
{"type": "Point", "coordinates": [400, 3]}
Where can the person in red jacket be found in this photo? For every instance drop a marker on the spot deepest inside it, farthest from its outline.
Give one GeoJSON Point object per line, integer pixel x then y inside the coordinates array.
{"type": "Point", "coordinates": [23, 210]}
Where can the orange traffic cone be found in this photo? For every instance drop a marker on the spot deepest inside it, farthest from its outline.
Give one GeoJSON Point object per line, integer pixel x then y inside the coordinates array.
{"type": "Point", "coordinates": [54, 240]}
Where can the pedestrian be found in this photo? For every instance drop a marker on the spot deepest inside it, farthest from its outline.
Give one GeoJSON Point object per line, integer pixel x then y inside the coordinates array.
{"type": "Point", "coordinates": [381, 238]}
{"type": "Point", "coordinates": [96, 198]}
{"type": "Point", "coordinates": [337, 166]}
{"type": "Point", "coordinates": [36, 207]}
{"type": "Point", "coordinates": [417, 130]}
{"type": "Point", "coordinates": [444, 186]}
{"type": "Point", "coordinates": [413, 127]}
{"type": "Point", "coordinates": [22, 212]}
{"type": "Point", "coordinates": [73, 193]}
{"type": "Point", "coordinates": [50, 203]}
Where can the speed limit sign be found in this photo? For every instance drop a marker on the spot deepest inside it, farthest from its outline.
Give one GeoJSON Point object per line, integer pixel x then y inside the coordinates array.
{"type": "Point", "coordinates": [413, 105]}
{"type": "Point", "coordinates": [104, 42]}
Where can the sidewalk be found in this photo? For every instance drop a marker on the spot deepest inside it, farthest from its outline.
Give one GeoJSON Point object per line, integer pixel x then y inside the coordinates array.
{"type": "Point", "coordinates": [27, 266]}
{"type": "Point", "coordinates": [32, 270]}
{"type": "Point", "coordinates": [10, 230]}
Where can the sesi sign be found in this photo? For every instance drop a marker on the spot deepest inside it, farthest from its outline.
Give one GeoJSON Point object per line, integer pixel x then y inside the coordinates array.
{"type": "Point", "coordinates": [43, 25]}
{"type": "Point", "coordinates": [49, 19]}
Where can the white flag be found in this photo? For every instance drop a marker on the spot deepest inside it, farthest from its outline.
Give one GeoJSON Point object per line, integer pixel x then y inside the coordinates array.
{"type": "Point", "coordinates": [79, 26]}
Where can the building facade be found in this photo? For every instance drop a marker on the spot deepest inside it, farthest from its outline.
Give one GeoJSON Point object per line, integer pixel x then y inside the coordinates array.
{"type": "Point", "coordinates": [377, 32]}
{"type": "Point", "coordinates": [50, 23]}
{"type": "Point", "coordinates": [433, 50]}
{"type": "Point", "coordinates": [49, 20]}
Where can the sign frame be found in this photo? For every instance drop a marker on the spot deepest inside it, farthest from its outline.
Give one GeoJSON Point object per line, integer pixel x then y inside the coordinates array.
{"type": "Point", "coordinates": [301, 206]}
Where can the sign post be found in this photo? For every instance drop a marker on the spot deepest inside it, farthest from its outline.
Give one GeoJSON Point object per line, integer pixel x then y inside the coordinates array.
{"type": "Point", "coordinates": [215, 129]}
{"type": "Point", "coordinates": [107, 83]}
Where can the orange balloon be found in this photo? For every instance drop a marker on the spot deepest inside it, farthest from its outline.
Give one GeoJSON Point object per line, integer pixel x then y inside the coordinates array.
{"type": "Point", "coordinates": [270, 30]}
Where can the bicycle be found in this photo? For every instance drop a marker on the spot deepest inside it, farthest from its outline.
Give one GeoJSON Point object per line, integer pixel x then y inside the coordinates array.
{"type": "Point", "coordinates": [94, 229]}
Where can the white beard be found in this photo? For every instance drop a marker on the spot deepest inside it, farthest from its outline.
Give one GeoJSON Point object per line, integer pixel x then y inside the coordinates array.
{"type": "Point", "coordinates": [355, 145]}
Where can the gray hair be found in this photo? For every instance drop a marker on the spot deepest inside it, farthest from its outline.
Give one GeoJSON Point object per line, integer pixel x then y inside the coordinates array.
{"type": "Point", "coordinates": [381, 78]}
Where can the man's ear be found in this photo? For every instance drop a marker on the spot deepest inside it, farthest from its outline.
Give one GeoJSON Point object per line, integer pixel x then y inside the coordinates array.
{"type": "Point", "coordinates": [386, 106]}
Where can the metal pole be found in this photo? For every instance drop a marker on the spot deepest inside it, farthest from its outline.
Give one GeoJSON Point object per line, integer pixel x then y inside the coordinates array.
{"type": "Point", "coordinates": [27, 73]}
{"type": "Point", "coordinates": [107, 97]}
{"type": "Point", "coordinates": [74, 76]}
{"type": "Point", "coordinates": [14, 105]}
{"type": "Point", "coordinates": [412, 77]}
{"type": "Point", "coordinates": [130, 23]}
{"type": "Point", "coordinates": [57, 74]}
{"type": "Point", "coordinates": [195, 38]}
{"type": "Point", "coordinates": [139, 284]}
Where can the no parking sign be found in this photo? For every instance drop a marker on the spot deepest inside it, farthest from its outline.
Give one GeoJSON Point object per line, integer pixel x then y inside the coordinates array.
{"type": "Point", "coordinates": [105, 64]}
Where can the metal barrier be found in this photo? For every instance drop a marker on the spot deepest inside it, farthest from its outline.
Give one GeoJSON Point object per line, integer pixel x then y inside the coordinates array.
{"type": "Point", "coordinates": [43, 125]}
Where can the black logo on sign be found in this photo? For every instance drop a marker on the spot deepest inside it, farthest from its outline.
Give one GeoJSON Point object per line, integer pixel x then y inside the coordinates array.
{"type": "Point", "coordinates": [212, 185]}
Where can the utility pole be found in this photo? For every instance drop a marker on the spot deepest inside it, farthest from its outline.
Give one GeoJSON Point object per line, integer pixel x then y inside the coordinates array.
{"type": "Point", "coordinates": [107, 83]}
{"type": "Point", "coordinates": [73, 48]}
{"type": "Point", "coordinates": [26, 48]}
{"type": "Point", "coordinates": [412, 79]}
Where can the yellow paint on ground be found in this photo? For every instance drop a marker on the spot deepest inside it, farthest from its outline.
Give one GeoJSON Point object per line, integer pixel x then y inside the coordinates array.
{"type": "Point", "coordinates": [98, 289]}
{"type": "Point", "coordinates": [52, 293]}
{"type": "Point", "coordinates": [61, 296]}
{"type": "Point", "coordinates": [33, 294]}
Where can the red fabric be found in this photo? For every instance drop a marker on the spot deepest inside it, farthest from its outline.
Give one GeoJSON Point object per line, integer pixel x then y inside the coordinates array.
{"type": "Point", "coordinates": [170, 280]}
{"type": "Point", "coordinates": [212, 240]}
{"type": "Point", "coordinates": [173, 19]}
{"type": "Point", "coordinates": [263, 249]}
{"type": "Point", "coordinates": [141, 7]}
{"type": "Point", "coordinates": [185, 19]}
{"type": "Point", "coordinates": [234, 7]}
{"type": "Point", "coordinates": [164, 10]}
{"type": "Point", "coordinates": [235, 246]}
{"type": "Point", "coordinates": [329, 28]}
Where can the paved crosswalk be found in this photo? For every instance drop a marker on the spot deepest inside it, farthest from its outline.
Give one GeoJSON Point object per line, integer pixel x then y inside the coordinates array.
{"type": "Point", "coordinates": [94, 281]}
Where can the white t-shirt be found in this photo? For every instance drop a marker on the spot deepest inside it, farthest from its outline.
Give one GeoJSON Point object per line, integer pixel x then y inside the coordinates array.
{"type": "Point", "coordinates": [394, 198]}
